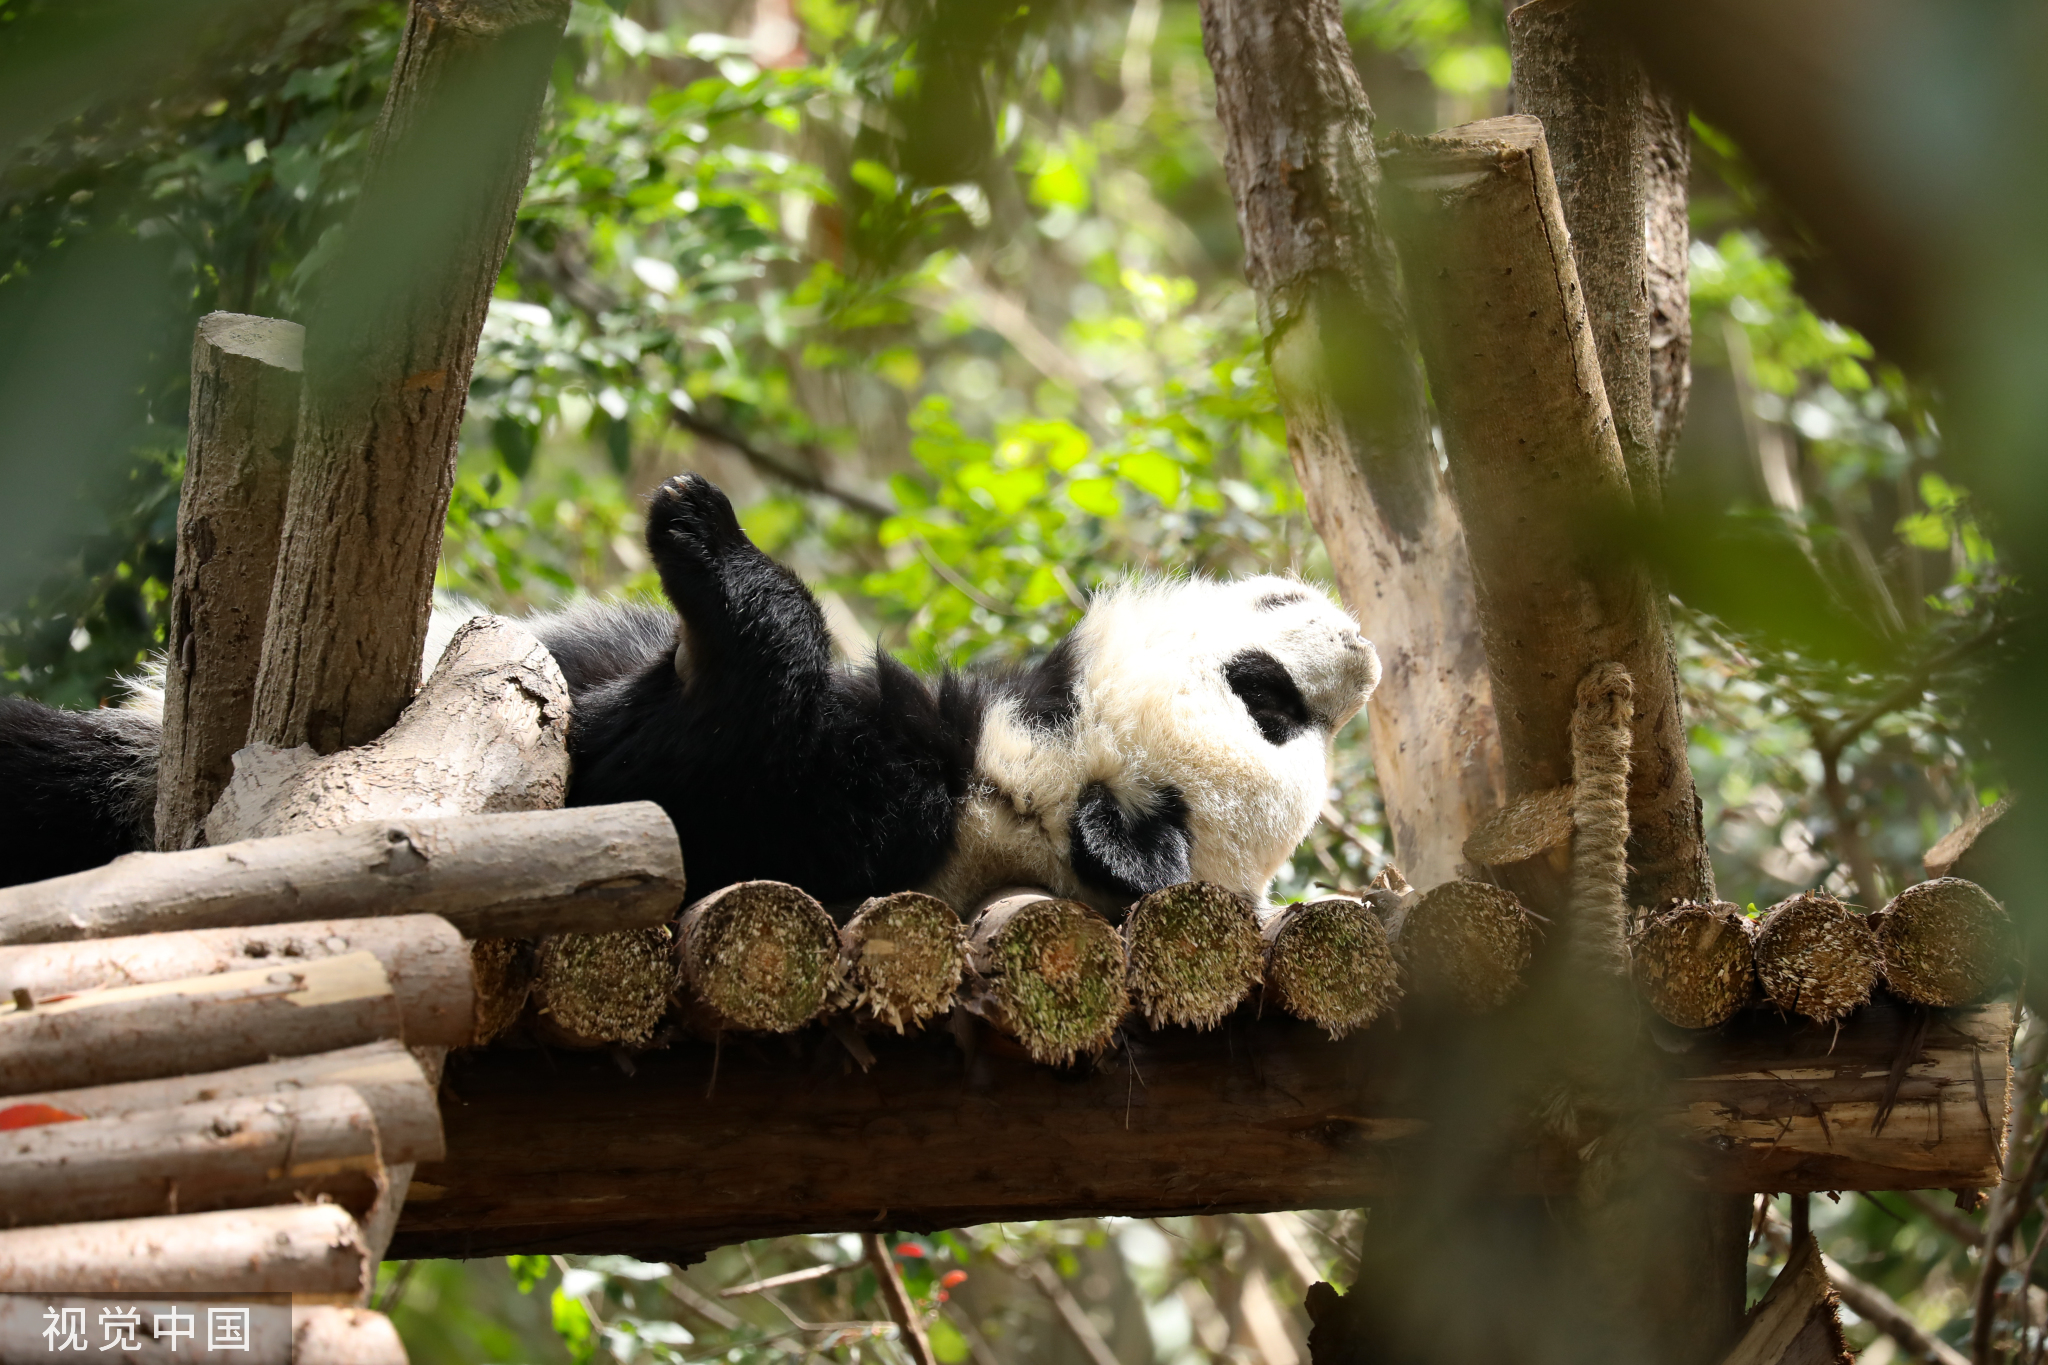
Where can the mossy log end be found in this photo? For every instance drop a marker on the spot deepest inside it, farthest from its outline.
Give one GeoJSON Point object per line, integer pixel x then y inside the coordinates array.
{"type": "Point", "coordinates": [905, 957]}
{"type": "Point", "coordinates": [758, 957]}
{"type": "Point", "coordinates": [1467, 945]}
{"type": "Point", "coordinates": [1695, 965]}
{"type": "Point", "coordinates": [1817, 957]}
{"type": "Point", "coordinates": [1330, 962]}
{"type": "Point", "coordinates": [1945, 942]}
{"type": "Point", "coordinates": [1049, 973]}
{"type": "Point", "coordinates": [593, 990]}
{"type": "Point", "coordinates": [1194, 952]}
{"type": "Point", "coordinates": [1259, 1114]}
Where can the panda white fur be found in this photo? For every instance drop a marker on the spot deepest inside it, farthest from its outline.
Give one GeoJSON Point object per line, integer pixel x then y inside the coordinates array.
{"type": "Point", "coordinates": [1181, 730]}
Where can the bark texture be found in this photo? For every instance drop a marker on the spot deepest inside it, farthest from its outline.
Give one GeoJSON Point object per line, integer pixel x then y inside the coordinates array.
{"type": "Point", "coordinates": [488, 732]}
{"type": "Point", "coordinates": [134, 1033]}
{"type": "Point", "coordinates": [1588, 90]}
{"type": "Point", "coordinates": [328, 1335]}
{"type": "Point", "coordinates": [390, 1080]}
{"type": "Point", "coordinates": [313, 1252]}
{"type": "Point", "coordinates": [227, 1154]}
{"type": "Point", "coordinates": [423, 956]}
{"type": "Point", "coordinates": [1299, 154]}
{"type": "Point", "coordinates": [394, 340]}
{"type": "Point", "coordinates": [1539, 478]}
{"type": "Point", "coordinates": [1263, 1113]}
{"type": "Point", "coordinates": [587, 870]}
{"type": "Point", "coordinates": [1799, 1322]}
{"type": "Point", "coordinates": [245, 414]}
{"type": "Point", "coordinates": [1667, 132]}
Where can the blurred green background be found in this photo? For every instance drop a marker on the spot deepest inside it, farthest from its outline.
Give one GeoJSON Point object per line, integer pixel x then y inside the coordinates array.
{"type": "Point", "coordinates": [950, 298]}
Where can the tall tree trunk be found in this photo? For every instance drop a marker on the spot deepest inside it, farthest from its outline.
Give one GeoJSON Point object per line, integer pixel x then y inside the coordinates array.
{"type": "Point", "coordinates": [1667, 126]}
{"type": "Point", "coordinates": [1299, 155]}
{"type": "Point", "coordinates": [388, 360]}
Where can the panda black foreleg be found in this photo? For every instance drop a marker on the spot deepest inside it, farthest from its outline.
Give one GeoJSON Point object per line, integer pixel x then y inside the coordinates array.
{"type": "Point", "coordinates": [743, 614]}
{"type": "Point", "coordinates": [1129, 853]}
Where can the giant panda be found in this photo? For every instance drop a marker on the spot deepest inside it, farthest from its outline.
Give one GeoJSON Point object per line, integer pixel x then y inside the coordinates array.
{"type": "Point", "coordinates": [1182, 730]}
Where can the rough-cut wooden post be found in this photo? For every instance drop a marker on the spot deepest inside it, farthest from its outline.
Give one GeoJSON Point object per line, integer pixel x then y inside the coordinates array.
{"type": "Point", "coordinates": [1539, 477]}
{"type": "Point", "coordinates": [327, 1335]}
{"type": "Point", "coordinates": [905, 955]}
{"type": "Point", "coordinates": [389, 1078]}
{"type": "Point", "coordinates": [223, 1154]}
{"type": "Point", "coordinates": [1194, 952]}
{"type": "Point", "coordinates": [1330, 962]}
{"type": "Point", "coordinates": [587, 870]}
{"type": "Point", "coordinates": [757, 956]}
{"type": "Point", "coordinates": [1467, 944]}
{"type": "Point", "coordinates": [132, 1033]}
{"type": "Point", "coordinates": [393, 340]}
{"type": "Point", "coordinates": [488, 732]}
{"type": "Point", "coordinates": [1298, 151]}
{"type": "Point", "coordinates": [1048, 973]}
{"type": "Point", "coordinates": [313, 1252]}
{"type": "Point", "coordinates": [424, 957]}
{"type": "Point", "coordinates": [591, 990]}
{"type": "Point", "coordinates": [1587, 88]}
{"type": "Point", "coordinates": [245, 414]}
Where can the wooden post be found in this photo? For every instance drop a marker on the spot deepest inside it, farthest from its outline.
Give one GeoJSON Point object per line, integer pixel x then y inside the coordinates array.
{"type": "Point", "coordinates": [245, 413]}
{"type": "Point", "coordinates": [393, 340]}
{"type": "Point", "coordinates": [313, 1252]}
{"type": "Point", "coordinates": [1298, 151]}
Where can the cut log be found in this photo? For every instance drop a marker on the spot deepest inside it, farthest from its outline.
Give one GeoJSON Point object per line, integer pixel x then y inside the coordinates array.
{"type": "Point", "coordinates": [1696, 964]}
{"type": "Point", "coordinates": [245, 414]}
{"type": "Point", "coordinates": [758, 956]}
{"type": "Point", "coordinates": [1799, 1322]}
{"type": "Point", "coordinates": [504, 981]}
{"type": "Point", "coordinates": [313, 1252]}
{"type": "Point", "coordinates": [1958, 852]}
{"type": "Point", "coordinates": [1048, 973]}
{"type": "Point", "coordinates": [132, 1033]}
{"type": "Point", "coordinates": [1534, 823]}
{"type": "Point", "coordinates": [488, 733]}
{"type": "Point", "coordinates": [1195, 953]}
{"type": "Point", "coordinates": [594, 990]}
{"type": "Point", "coordinates": [389, 1078]}
{"type": "Point", "coordinates": [1298, 152]}
{"type": "Point", "coordinates": [394, 337]}
{"type": "Point", "coordinates": [905, 956]}
{"type": "Point", "coordinates": [1330, 962]}
{"type": "Point", "coordinates": [1816, 956]}
{"type": "Point", "coordinates": [425, 959]}
{"type": "Point", "coordinates": [326, 1335]}
{"type": "Point", "coordinates": [1540, 480]}
{"type": "Point", "coordinates": [576, 1156]}
{"type": "Point", "coordinates": [1467, 944]}
{"type": "Point", "coordinates": [228, 1154]}
{"type": "Point", "coordinates": [588, 870]}
{"type": "Point", "coordinates": [1945, 942]}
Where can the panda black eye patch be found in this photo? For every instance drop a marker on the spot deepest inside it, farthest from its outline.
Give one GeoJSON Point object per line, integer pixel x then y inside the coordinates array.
{"type": "Point", "coordinates": [1267, 690]}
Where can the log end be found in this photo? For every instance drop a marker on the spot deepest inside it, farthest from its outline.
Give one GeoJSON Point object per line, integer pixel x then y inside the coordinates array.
{"type": "Point", "coordinates": [1695, 964]}
{"type": "Point", "coordinates": [761, 956]}
{"type": "Point", "coordinates": [1945, 942]}
{"type": "Point", "coordinates": [590, 990]}
{"type": "Point", "coordinates": [1053, 977]}
{"type": "Point", "coordinates": [1194, 952]}
{"type": "Point", "coordinates": [905, 956]}
{"type": "Point", "coordinates": [1467, 944]}
{"type": "Point", "coordinates": [1330, 962]}
{"type": "Point", "coordinates": [1817, 957]}
{"type": "Point", "coordinates": [503, 968]}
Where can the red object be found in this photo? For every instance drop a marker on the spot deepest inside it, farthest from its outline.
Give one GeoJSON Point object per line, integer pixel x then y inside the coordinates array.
{"type": "Point", "coordinates": [34, 1116]}
{"type": "Point", "coordinates": [951, 1278]}
{"type": "Point", "coordinates": [909, 1249]}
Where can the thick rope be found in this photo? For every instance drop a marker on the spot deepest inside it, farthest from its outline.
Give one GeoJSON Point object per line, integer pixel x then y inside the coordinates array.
{"type": "Point", "coordinates": [1599, 804]}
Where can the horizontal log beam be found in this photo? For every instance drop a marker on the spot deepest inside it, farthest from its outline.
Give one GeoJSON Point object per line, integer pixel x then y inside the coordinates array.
{"type": "Point", "coordinates": [568, 1153]}
{"type": "Point", "coordinates": [314, 1252]}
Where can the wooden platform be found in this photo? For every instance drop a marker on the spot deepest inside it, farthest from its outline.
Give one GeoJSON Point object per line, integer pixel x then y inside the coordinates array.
{"type": "Point", "coordinates": [565, 1152]}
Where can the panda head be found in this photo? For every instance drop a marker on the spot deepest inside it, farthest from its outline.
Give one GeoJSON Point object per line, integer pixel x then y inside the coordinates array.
{"type": "Point", "coordinates": [1219, 700]}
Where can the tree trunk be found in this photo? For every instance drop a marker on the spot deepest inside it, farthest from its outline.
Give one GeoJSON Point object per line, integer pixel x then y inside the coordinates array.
{"type": "Point", "coordinates": [393, 340]}
{"type": "Point", "coordinates": [1260, 1114]}
{"type": "Point", "coordinates": [134, 1033]}
{"type": "Point", "coordinates": [489, 732]}
{"type": "Point", "coordinates": [587, 870]}
{"type": "Point", "coordinates": [225, 1154]}
{"type": "Point", "coordinates": [245, 414]}
{"type": "Point", "coordinates": [1667, 128]}
{"type": "Point", "coordinates": [1588, 91]}
{"type": "Point", "coordinates": [1299, 154]}
{"type": "Point", "coordinates": [1540, 481]}
{"type": "Point", "coordinates": [424, 957]}
{"type": "Point", "coordinates": [314, 1252]}
{"type": "Point", "coordinates": [390, 1080]}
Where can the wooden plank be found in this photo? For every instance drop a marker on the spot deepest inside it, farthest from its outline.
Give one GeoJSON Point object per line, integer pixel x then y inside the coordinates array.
{"type": "Point", "coordinates": [567, 1153]}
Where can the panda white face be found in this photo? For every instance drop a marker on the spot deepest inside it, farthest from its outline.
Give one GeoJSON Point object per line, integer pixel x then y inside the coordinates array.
{"type": "Point", "coordinates": [1195, 743]}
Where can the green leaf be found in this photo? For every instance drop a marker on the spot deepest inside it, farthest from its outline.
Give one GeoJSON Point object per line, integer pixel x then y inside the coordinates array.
{"type": "Point", "coordinates": [1095, 496]}
{"type": "Point", "coordinates": [1157, 474]}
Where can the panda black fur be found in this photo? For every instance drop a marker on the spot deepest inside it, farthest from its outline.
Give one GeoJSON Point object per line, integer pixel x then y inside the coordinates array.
{"type": "Point", "coordinates": [1181, 730]}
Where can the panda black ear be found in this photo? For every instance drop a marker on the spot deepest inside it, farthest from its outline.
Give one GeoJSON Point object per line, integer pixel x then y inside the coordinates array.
{"type": "Point", "coordinates": [1129, 854]}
